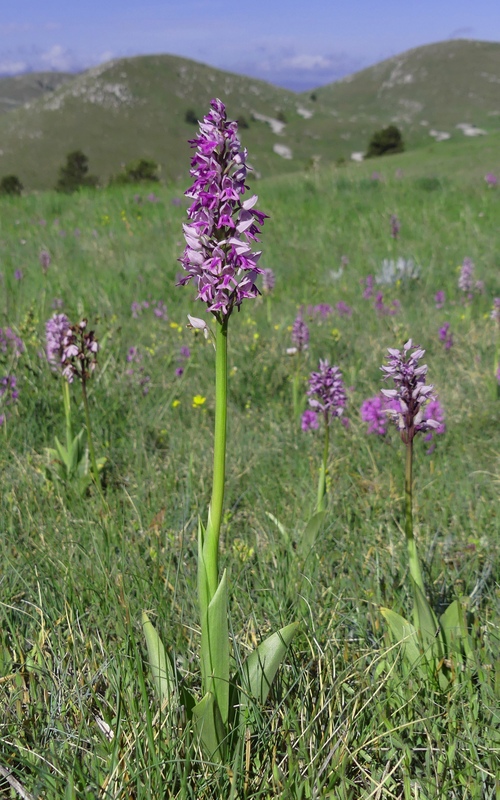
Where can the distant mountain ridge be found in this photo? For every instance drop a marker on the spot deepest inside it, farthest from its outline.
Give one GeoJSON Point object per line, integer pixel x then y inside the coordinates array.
{"type": "Point", "coordinates": [140, 107]}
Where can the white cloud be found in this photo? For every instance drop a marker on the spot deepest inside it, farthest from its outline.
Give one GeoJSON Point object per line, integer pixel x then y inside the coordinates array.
{"type": "Point", "coordinates": [12, 67]}
{"type": "Point", "coordinates": [58, 59]}
{"type": "Point", "coordinates": [306, 62]}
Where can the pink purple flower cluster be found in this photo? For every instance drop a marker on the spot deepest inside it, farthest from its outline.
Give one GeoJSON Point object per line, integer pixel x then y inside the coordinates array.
{"type": "Point", "coordinates": [466, 282]}
{"type": "Point", "coordinates": [10, 343]}
{"type": "Point", "coordinates": [445, 336]}
{"type": "Point", "coordinates": [300, 335]}
{"type": "Point", "coordinates": [410, 391]}
{"type": "Point", "coordinates": [55, 330]}
{"type": "Point", "coordinates": [326, 395]}
{"type": "Point", "coordinates": [218, 256]}
{"type": "Point", "coordinates": [8, 394]}
{"type": "Point", "coordinates": [70, 347]}
{"type": "Point", "coordinates": [268, 280]}
{"type": "Point", "coordinates": [376, 411]}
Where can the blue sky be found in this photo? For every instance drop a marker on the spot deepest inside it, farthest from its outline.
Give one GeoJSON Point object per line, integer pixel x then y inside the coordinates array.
{"type": "Point", "coordinates": [296, 44]}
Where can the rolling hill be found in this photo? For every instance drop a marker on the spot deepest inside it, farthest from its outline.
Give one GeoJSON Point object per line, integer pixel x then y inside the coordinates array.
{"type": "Point", "coordinates": [134, 107]}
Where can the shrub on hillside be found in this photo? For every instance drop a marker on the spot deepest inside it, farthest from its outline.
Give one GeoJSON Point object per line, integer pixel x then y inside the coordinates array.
{"type": "Point", "coordinates": [385, 142]}
{"type": "Point", "coordinates": [10, 184]}
{"type": "Point", "coordinates": [142, 170]}
{"type": "Point", "coordinates": [74, 174]}
{"type": "Point", "coordinates": [191, 117]}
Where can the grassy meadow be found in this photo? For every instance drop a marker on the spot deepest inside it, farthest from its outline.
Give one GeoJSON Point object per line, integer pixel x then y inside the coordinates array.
{"type": "Point", "coordinates": [346, 719]}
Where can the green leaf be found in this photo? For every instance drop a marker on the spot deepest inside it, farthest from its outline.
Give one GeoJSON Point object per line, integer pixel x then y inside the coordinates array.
{"type": "Point", "coordinates": [310, 533]}
{"type": "Point", "coordinates": [280, 526]}
{"type": "Point", "coordinates": [427, 625]}
{"type": "Point", "coordinates": [259, 669]}
{"type": "Point", "coordinates": [215, 649]}
{"type": "Point", "coordinates": [454, 627]}
{"type": "Point", "coordinates": [64, 455]}
{"type": "Point", "coordinates": [209, 726]}
{"type": "Point", "coordinates": [405, 634]}
{"type": "Point", "coordinates": [161, 667]}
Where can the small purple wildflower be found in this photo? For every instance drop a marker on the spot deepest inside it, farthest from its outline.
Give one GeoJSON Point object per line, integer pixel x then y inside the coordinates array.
{"type": "Point", "coordinates": [160, 310]}
{"type": "Point", "coordinates": [410, 391]}
{"type": "Point", "coordinates": [268, 280]}
{"type": "Point", "coordinates": [395, 226]}
{"type": "Point", "coordinates": [300, 334]}
{"type": "Point", "coordinates": [434, 411]}
{"type": "Point", "coordinates": [133, 355]}
{"type": "Point", "coordinates": [439, 299]}
{"type": "Point", "coordinates": [152, 198]}
{"type": "Point", "coordinates": [10, 341]}
{"type": "Point", "coordinates": [57, 303]}
{"type": "Point", "coordinates": [491, 179]}
{"type": "Point", "coordinates": [384, 310]}
{"type": "Point", "coordinates": [184, 355]}
{"type": "Point", "coordinates": [445, 336]}
{"type": "Point", "coordinates": [343, 309]}
{"type": "Point", "coordinates": [56, 328]}
{"type": "Point", "coordinates": [322, 310]}
{"type": "Point", "coordinates": [18, 274]}
{"type": "Point", "coordinates": [374, 412]}
{"type": "Point", "coordinates": [368, 283]}
{"type": "Point", "coordinates": [498, 376]}
{"type": "Point", "coordinates": [495, 311]}
{"type": "Point", "coordinates": [9, 394]}
{"type": "Point", "coordinates": [376, 176]}
{"type": "Point", "coordinates": [326, 391]}
{"type": "Point", "coordinates": [309, 421]}
{"type": "Point", "coordinates": [216, 256]}
{"type": "Point", "coordinates": [45, 260]}
{"type": "Point", "coordinates": [466, 280]}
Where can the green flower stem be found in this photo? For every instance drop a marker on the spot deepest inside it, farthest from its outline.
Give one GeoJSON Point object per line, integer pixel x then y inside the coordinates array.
{"type": "Point", "coordinates": [212, 535]}
{"type": "Point", "coordinates": [415, 571]}
{"type": "Point", "coordinates": [321, 504]}
{"type": "Point", "coordinates": [67, 413]}
{"type": "Point", "coordinates": [93, 461]}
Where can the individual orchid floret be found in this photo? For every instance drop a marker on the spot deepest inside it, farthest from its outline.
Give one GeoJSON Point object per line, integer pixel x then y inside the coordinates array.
{"type": "Point", "coordinates": [218, 256]}
{"type": "Point", "coordinates": [326, 393]}
{"type": "Point", "coordinates": [410, 391]}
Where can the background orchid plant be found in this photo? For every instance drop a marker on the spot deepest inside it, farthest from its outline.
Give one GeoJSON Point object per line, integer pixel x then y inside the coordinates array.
{"type": "Point", "coordinates": [219, 260]}
{"type": "Point", "coordinates": [431, 645]}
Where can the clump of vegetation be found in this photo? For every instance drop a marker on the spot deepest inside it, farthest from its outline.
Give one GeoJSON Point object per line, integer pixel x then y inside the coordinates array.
{"type": "Point", "coordinates": [142, 170]}
{"type": "Point", "coordinates": [386, 142]}
{"type": "Point", "coordinates": [10, 184]}
{"type": "Point", "coordinates": [191, 117]}
{"type": "Point", "coordinates": [74, 174]}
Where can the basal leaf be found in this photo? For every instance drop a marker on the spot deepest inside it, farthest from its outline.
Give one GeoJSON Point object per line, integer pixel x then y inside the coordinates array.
{"type": "Point", "coordinates": [310, 533]}
{"type": "Point", "coordinates": [258, 671]}
{"type": "Point", "coordinates": [427, 625]}
{"type": "Point", "coordinates": [215, 649]}
{"type": "Point", "coordinates": [404, 633]}
{"type": "Point", "coordinates": [209, 727]}
{"type": "Point", "coordinates": [161, 667]}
